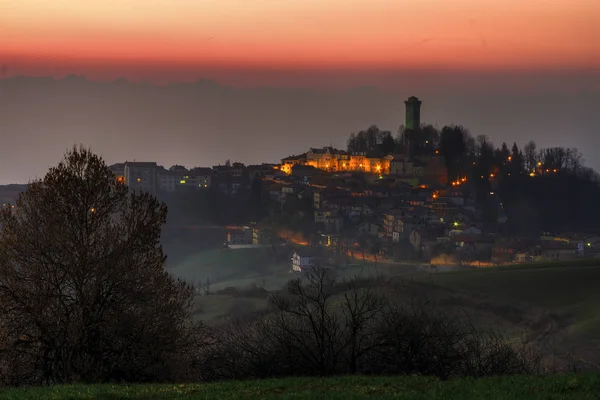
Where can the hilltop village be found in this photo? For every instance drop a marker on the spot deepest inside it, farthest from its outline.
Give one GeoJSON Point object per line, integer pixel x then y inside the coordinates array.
{"type": "Point", "coordinates": [383, 198]}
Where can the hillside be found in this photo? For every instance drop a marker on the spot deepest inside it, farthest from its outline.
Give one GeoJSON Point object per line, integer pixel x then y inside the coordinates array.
{"type": "Point", "coordinates": [343, 388]}
{"type": "Point", "coordinates": [555, 306]}
{"type": "Point", "coordinates": [9, 193]}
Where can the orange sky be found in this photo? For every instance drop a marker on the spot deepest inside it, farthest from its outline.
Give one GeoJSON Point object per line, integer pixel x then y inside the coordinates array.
{"type": "Point", "coordinates": [71, 36]}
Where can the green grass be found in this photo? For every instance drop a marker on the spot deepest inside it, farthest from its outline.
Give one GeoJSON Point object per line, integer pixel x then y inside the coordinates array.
{"type": "Point", "coordinates": [571, 290]}
{"type": "Point", "coordinates": [221, 265]}
{"type": "Point", "coordinates": [343, 388]}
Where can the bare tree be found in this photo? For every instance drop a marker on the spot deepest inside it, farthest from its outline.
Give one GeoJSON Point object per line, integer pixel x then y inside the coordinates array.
{"type": "Point", "coordinates": [530, 156]}
{"type": "Point", "coordinates": [83, 289]}
{"type": "Point", "coordinates": [318, 327]}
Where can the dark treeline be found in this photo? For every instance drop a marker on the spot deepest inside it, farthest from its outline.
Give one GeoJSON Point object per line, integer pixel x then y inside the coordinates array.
{"type": "Point", "coordinates": [375, 141]}
{"type": "Point", "coordinates": [549, 189]}
{"type": "Point", "coordinates": [540, 189]}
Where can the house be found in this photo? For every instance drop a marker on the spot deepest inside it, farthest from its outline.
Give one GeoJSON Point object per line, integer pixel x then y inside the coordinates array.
{"type": "Point", "coordinates": [303, 259]}
{"type": "Point", "coordinates": [506, 251]}
{"type": "Point", "coordinates": [423, 240]}
{"type": "Point", "coordinates": [389, 221]}
{"type": "Point", "coordinates": [179, 178]}
{"type": "Point", "coordinates": [141, 176]}
{"type": "Point", "coordinates": [475, 243]}
{"type": "Point", "coordinates": [405, 225]}
{"type": "Point", "coordinates": [290, 190]}
{"type": "Point", "coordinates": [369, 228]}
{"type": "Point", "coordinates": [329, 239]}
{"type": "Point", "coordinates": [548, 250]}
{"type": "Point", "coordinates": [240, 236]}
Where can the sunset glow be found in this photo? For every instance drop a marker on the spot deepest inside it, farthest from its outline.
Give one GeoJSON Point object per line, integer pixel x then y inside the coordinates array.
{"type": "Point", "coordinates": [75, 36]}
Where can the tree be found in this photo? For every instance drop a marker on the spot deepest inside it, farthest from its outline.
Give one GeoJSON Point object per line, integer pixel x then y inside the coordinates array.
{"type": "Point", "coordinates": [453, 146]}
{"type": "Point", "coordinates": [83, 288]}
{"type": "Point", "coordinates": [517, 162]}
{"type": "Point", "coordinates": [388, 144]}
{"type": "Point", "coordinates": [352, 143]}
{"type": "Point", "coordinates": [430, 138]}
{"type": "Point", "coordinates": [372, 136]}
{"type": "Point", "coordinates": [530, 156]}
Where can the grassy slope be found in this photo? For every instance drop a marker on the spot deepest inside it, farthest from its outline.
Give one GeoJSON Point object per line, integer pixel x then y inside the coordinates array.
{"type": "Point", "coordinates": [344, 388]}
{"type": "Point", "coordinates": [556, 306]}
{"type": "Point", "coordinates": [571, 291]}
{"type": "Point", "coordinates": [221, 265]}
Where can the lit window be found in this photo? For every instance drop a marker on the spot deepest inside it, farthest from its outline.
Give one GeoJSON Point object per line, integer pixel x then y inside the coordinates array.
{"type": "Point", "coordinates": [182, 181]}
{"type": "Point", "coordinates": [139, 180]}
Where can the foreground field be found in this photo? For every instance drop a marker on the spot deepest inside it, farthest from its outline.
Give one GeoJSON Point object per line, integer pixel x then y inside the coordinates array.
{"type": "Point", "coordinates": [505, 388]}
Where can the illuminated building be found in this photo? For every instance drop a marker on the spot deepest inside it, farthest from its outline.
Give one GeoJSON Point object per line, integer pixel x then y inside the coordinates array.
{"type": "Point", "coordinates": [179, 178]}
{"type": "Point", "coordinates": [408, 165]}
{"type": "Point", "coordinates": [334, 160]}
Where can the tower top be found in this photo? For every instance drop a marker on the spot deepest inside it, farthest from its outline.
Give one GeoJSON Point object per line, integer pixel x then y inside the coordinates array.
{"type": "Point", "coordinates": [413, 113]}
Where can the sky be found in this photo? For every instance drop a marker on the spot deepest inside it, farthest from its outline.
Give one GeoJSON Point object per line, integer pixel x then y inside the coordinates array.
{"type": "Point", "coordinates": [294, 73]}
{"type": "Point", "coordinates": [95, 38]}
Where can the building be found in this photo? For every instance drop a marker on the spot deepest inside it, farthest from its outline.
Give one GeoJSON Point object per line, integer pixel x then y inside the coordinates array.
{"type": "Point", "coordinates": [547, 251]}
{"type": "Point", "coordinates": [179, 178]}
{"type": "Point", "coordinates": [413, 113]}
{"type": "Point", "coordinates": [231, 178]}
{"type": "Point", "coordinates": [141, 176]}
{"type": "Point", "coordinates": [303, 259]}
{"type": "Point", "coordinates": [119, 171]}
{"type": "Point", "coordinates": [412, 168]}
{"type": "Point", "coordinates": [240, 236]}
{"type": "Point", "coordinates": [289, 162]}
{"type": "Point", "coordinates": [333, 160]}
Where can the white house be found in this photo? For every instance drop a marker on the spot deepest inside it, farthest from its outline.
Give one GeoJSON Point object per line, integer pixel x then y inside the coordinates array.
{"type": "Point", "coordinates": [301, 260]}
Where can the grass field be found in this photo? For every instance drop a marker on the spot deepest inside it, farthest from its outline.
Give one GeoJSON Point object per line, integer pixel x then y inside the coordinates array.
{"type": "Point", "coordinates": [571, 291]}
{"type": "Point", "coordinates": [344, 388]}
{"type": "Point", "coordinates": [221, 265]}
{"type": "Point", "coordinates": [557, 304]}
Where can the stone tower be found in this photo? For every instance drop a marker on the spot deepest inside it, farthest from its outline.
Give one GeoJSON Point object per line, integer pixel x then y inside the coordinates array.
{"type": "Point", "coordinates": [413, 114]}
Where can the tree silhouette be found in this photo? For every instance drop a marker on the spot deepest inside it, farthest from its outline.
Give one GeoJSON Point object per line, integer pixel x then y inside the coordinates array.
{"type": "Point", "coordinates": [83, 289]}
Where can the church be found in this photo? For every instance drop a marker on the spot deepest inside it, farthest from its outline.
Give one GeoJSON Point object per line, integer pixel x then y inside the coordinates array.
{"type": "Point", "coordinates": [410, 165]}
